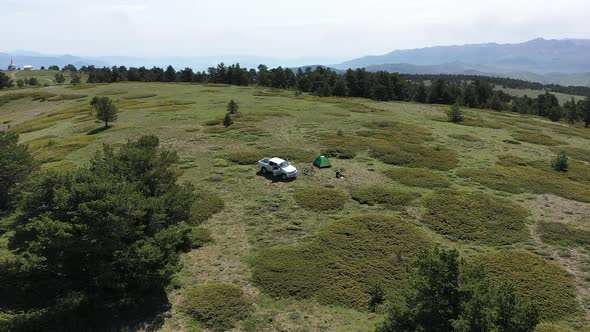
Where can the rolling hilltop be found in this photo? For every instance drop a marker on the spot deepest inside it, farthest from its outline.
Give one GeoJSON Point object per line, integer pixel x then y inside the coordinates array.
{"type": "Point", "coordinates": [271, 255]}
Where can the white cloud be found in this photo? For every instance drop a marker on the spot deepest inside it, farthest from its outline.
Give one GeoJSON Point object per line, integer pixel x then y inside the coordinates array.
{"type": "Point", "coordinates": [280, 28]}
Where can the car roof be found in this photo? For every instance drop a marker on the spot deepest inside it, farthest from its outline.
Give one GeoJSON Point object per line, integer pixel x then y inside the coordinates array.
{"type": "Point", "coordinates": [277, 160]}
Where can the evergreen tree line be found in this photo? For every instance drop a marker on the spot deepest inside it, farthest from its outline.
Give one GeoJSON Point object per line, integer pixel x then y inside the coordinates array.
{"type": "Point", "coordinates": [468, 91]}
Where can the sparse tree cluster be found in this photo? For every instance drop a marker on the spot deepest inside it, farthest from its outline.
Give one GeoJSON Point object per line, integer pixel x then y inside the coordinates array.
{"type": "Point", "coordinates": [466, 91]}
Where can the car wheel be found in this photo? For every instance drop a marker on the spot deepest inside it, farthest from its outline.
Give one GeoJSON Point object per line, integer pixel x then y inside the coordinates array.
{"type": "Point", "coordinates": [284, 177]}
{"type": "Point", "coordinates": [263, 170]}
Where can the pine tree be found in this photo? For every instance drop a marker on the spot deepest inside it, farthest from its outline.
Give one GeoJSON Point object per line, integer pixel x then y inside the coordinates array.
{"type": "Point", "coordinates": [560, 163]}
{"type": "Point", "coordinates": [585, 111]}
{"type": "Point", "coordinates": [228, 121]}
{"type": "Point", "coordinates": [421, 94]}
{"type": "Point", "coordinates": [233, 107]}
{"type": "Point", "coordinates": [454, 113]}
{"type": "Point", "coordinates": [75, 79]}
{"type": "Point", "coordinates": [340, 88]}
{"type": "Point", "coordinates": [571, 111]}
{"type": "Point", "coordinates": [59, 78]}
{"type": "Point", "coordinates": [170, 74]}
{"type": "Point", "coordinates": [555, 113]}
{"type": "Point", "coordinates": [106, 111]}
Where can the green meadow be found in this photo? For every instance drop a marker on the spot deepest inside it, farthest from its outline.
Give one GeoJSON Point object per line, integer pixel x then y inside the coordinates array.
{"type": "Point", "coordinates": [301, 255]}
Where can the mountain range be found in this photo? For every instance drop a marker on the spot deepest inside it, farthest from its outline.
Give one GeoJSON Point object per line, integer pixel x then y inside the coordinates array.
{"type": "Point", "coordinates": [563, 61]}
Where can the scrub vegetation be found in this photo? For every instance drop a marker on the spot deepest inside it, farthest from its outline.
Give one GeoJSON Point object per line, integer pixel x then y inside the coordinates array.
{"type": "Point", "coordinates": [225, 248]}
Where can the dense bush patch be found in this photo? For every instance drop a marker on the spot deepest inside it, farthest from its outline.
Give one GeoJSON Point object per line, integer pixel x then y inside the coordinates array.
{"type": "Point", "coordinates": [400, 148]}
{"type": "Point", "coordinates": [417, 177]}
{"type": "Point", "coordinates": [414, 155]}
{"type": "Point", "coordinates": [535, 278]}
{"type": "Point", "coordinates": [563, 234]}
{"type": "Point", "coordinates": [216, 305]}
{"type": "Point", "coordinates": [291, 154]}
{"type": "Point", "coordinates": [200, 236]}
{"type": "Point", "coordinates": [465, 137]}
{"type": "Point", "coordinates": [537, 138]}
{"type": "Point", "coordinates": [320, 199]}
{"type": "Point", "coordinates": [475, 217]}
{"type": "Point", "coordinates": [402, 131]}
{"type": "Point", "coordinates": [388, 196]}
{"type": "Point", "coordinates": [338, 265]}
{"type": "Point", "coordinates": [245, 157]}
{"type": "Point", "coordinates": [343, 146]}
{"type": "Point", "coordinates": [525, 177]}
{"type": "Point", "coordinates": [205, 205]}
{"type": "Point", "coordinates": [140, 96]}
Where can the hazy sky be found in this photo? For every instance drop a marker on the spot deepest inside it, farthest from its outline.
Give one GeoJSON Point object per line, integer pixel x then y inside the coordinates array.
{"type": "Point", "coordinates": [342, 28]}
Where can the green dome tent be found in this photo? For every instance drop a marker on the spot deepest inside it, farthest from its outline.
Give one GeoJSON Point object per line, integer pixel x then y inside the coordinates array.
{"type": "Point", "coordinates": [322, 162]}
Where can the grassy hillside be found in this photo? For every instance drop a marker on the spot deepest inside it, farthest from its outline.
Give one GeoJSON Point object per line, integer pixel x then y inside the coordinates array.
{"type": "Point", "coordinates": [45, 77]}
{"type": "Point", "coordinates": [305, 252]}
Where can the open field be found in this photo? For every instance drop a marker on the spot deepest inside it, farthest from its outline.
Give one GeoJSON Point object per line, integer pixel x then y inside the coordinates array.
{"type": "Point", "coordinates": [304, 252]}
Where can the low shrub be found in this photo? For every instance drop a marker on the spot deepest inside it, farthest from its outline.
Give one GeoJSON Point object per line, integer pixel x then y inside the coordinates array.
{"type": "Point", "coordinates": [484, 123]}
{"type": "Point", "coordinates": [199, 237]}
{"type": "Point", "coordinates": [575, 153]}
{"type": "Point", "coordinates": [563, 234]}
{"type": "Point", "coordinates": [140, 96]}
{"type": "Point", "coordinates": [475, 217]}
{"type": "Point", "coordinates": [67, 97]}
{"type": "Point", "coordinates": [520, 179]}
{"type": "Point", "coordinates": [454, 113]}
{"type": "Point", "coordinates": [205, 205]}
{"type": "Point", "coordinates": [415, 155]}
{"type": "Point", "coordinates": [537, 138]}
{"type": "Point", "coordinates": [339, 265]}
{"type": "Point", "coordinates": [291, 154]}
{"type": "Point", "coordinates": [401, 131]}
{"type": "Point", "coordinates": [465, 137]}
{"type": "Point", "coordinates": [218, 306]}
{"type": "Point", "coordinates": [417, 177]}
{"type": "Point", "coordinates": [387, 196]}
{"type": "Point", "coordinates": [560, 163]}
{"type": "Point", "coordinates": [534, 278]}
{"type": "Point", "coordinates": [320, 199]}
{"type": "Point", "coordinates": [342, 147]}
{"type": "Point", "coordinates": [513, 142]}
{"type": "Point", "coordinates": [212, 122]}
{"type": "Point", "coordinates": [245, 157]}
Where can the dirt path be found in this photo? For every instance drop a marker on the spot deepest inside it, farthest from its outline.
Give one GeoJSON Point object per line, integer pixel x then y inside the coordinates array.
{"type": "Point", "coordinates": [223, 260]}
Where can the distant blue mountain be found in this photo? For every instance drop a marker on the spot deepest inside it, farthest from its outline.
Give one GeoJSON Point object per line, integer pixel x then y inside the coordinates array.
{"type": "Point", "coordinates": [23, 58]}
{"type": "Point", "coordinates": [539, 56]}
